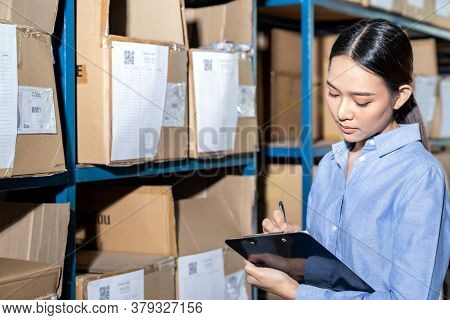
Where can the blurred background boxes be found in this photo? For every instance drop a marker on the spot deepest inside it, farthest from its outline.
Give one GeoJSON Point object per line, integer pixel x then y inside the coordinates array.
{"type": "Point", "coordinates": [32, 249]}
{"type": "Point", "coordinates": [100, 23]}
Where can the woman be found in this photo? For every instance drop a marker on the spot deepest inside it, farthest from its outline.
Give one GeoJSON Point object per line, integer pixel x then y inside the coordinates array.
{"type": "Point", "coordinates": [379, 200]}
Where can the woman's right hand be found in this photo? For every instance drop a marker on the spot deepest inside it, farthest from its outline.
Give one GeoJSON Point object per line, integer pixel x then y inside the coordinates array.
{"type": "Point", "coordinates": [278, 224]}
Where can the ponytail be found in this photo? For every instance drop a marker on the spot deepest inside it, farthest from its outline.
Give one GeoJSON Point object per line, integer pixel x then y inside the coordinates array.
{"type": "Point", "coordinates": [410, 113]}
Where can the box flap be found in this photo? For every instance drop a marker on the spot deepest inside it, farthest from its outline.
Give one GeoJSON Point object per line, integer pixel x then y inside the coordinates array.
{"type": "Point", "coordinates": [35, 69]}
{"type": "Point", "coordinates": [204, 224]}
{"type": "Point", "coordinates": [159, 20]}
{"type": "Point", "coordinates": [40, 14]}
{"type": "Point", "coordinates": [127, 219]}
{"type": "Point", "coordinates": [108, 261]}
{"type": "Point", "coordinates": [34, 232]}
{"type": "Point", "coordinates": [20, 279]}
{"type": "Point", "coordinates": [232, 21]}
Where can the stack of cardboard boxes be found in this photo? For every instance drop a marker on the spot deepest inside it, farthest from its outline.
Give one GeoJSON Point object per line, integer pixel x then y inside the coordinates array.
{"type": "Point", "coordinates": [128, 239]}
{"type": "Point", "coordinates": [32, 250]}
{"type": "Point", "coordinates": [139, 99]}
{"type": "Point", "coordinates": [436, 12]}
{"type": "Point", "coordinates": [30, 127]}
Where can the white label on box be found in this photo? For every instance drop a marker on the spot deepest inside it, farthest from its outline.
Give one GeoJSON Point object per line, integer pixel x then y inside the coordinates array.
{"type": "Point", "coordinates": [442, 8]}
{"type": "Point", "coordinates": [445, 107]}
{"type": "Point", "coordinates": [235, 286]}
{"type": "Point", "coordinates": [36, 111]}
{"type": "Point", "coordinates": [425, 94]}
{"type": "Point", "coordinates": [384, 4]}
{"type": "Point", "coordinates": [416, 3]}
{"type": "Point", "coordinates": [175, 107]}
{"type": "Point", "coordinates": [139, 81]}
{"type": "Point", "coordinates": [247, 103]}
{"type": "Point", "coordinates": [128, 286]}
{"type": "Point", "coordinates": [216, 87]}
{"type": "Point", "coordinates": [201, 276]}
{"type": "Point", "coordinates": [8, 95]}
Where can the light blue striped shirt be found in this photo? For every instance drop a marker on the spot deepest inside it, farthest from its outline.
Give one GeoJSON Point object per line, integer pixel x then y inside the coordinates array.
{"type": "Point", "coordinates": [389, 222]}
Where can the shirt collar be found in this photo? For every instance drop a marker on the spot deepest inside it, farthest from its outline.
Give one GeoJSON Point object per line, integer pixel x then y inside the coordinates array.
{"type": "Point", "coordinates": [385, 142]}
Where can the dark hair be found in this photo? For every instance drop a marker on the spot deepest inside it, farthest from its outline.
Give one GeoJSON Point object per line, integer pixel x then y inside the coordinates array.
{"type": "Point", "coordinates": [384, 49]}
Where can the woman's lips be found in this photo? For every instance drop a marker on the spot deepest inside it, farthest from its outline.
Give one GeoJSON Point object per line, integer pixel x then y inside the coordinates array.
{"type": "Point", "coordinates": [347, 130]}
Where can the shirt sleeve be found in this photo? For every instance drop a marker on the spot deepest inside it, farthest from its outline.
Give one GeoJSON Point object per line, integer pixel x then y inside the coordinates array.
{"type": "Point", "coordinates": [421, 252]}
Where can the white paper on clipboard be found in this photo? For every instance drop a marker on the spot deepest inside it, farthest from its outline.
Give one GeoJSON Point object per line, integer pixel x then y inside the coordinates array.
{"type": "Point", "coordinates": [216, 87]}
{"type": "Point", "coordinates": [139, 80]}
{"type": "Point", "coordinates": [8, 95]}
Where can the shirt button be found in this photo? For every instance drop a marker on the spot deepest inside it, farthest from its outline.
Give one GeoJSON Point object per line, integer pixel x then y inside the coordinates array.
{"type": "Point", "coordinates": [371, 142]}
{"type": "Point", "coordinates": [334, 228]}
{"type": "Point", "coordinates": [362, 158]}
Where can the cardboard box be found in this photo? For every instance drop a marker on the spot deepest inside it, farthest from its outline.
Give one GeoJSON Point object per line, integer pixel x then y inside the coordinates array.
{"type": "Point", "coordinates": [226, 22]}
{"type": "Point", "coordinates": [286, 54]}
{"type": "Point", "coordinates": [439, 127]}
{"type": "Point", "coordinates": [395, 6]}
{"type": "Point", "coordinates": [426, 94]}
{"type": "Point", "coordinates": [330, 129]}
{"type": "Point", "coordinates": [128, 233]}
{"type": "Point", "coordinates": [441, 16]}
{"type": "Point", "coordinates": [125, 275]}
{"type": "Point", "coordinates": [127, 219]}
{"type": "Point", "coordinates": [425, 57]}
{"type": "Point", "coordinates": [444, 158]}
{"type": "Point", "coordinates": [213, 269]}
{"type": "Point", "coordinates": [37, 14]}
{"type": "Point", "coordinates": [286, 109]}
{"type": "Point", "coordinates": [35, 69]}
{"type": "Point", "coordinates": [34, 233]}
{"type": "Point", "coordinates": [96, 20]}
{"type": "Point", "coordinates": [21, 279]}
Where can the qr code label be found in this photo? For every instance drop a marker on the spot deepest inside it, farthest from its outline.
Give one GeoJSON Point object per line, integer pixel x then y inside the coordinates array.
{"type": "Point", "coordinates": [105, 293]}
{"type": "Point", "coordinates": [192, 268]}
{"type": "Point", "coordinates": [207, 65]}
{"type": "Point", "coordinates": [128, 57]}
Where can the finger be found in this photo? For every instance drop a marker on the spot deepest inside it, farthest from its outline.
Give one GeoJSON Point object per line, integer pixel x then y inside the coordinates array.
{"type": "Point", "coordinates": [278, 218]}
{"type": "Point", "coordinates": [268, 225]}
{"type": "Point", "coordinates": [252, 280]}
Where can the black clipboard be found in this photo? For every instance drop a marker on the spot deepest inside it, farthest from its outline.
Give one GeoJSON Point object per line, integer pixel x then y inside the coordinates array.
{"type": "Point", "coordinates": [275, 249]}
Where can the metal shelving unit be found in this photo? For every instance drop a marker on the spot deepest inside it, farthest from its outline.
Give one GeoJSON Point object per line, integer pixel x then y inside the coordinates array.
{"type": "Point", "coordinates": [306, 25]}
{"type": "Point", "coordinates": [65, 183]}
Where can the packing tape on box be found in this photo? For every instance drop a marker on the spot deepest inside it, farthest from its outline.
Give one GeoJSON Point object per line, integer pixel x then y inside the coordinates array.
{"type": "Point", "coordinates": [24, 32]}
{"type": "Point", "coordinates": [235, 286]}
{"type": "Point", "coordinates": [247, 105]}
{"type": "Point", "coordinates": [175, 105]}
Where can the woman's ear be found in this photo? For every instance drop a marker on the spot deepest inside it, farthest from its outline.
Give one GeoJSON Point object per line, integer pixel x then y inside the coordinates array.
{"type": "Point", "coordinates": [404, 93]}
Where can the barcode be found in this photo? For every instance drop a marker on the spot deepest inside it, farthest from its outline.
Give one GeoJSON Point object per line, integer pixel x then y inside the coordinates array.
{"type": "Point", "coordinates": [192, 268]}
{"type": "Point", "coordinates": [128, 57]}
{"type": "Point", "coordinates": [104, 293]}
{"type": "Point", "coordinates": [207, 65]}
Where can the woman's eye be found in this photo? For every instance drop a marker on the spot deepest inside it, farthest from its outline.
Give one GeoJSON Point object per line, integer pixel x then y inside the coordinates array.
{"type": "Point", "coordinates": [333, 95]}
{"type": "Point", "coordinates": [363, 105]}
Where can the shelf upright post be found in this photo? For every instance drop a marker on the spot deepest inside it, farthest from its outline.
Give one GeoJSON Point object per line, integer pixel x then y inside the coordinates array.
{"type": "Point", "coordinates": [307, 32]}
{"type": "Point", "coordinates": [65, 76]}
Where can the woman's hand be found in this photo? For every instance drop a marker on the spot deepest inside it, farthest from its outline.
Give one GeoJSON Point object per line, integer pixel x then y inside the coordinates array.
{"type": "Point", "coordinates": [271, 280]}
{"type": "Point", "coordinates": [278, 224]}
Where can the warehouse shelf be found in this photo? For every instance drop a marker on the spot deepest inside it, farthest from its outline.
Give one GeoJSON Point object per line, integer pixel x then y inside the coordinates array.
{"type": "Point", "coordinates": [101, 173]}
{"type": "Point", "coordinates": [10, 184]}
{"type": "Point", "coordinates": [346, 10]}
{"type": "Point", "coordinates": [319, 150]}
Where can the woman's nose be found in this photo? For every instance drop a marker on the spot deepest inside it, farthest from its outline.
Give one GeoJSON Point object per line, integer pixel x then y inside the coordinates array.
{"type": "Point", "coordinates": [345, 111]}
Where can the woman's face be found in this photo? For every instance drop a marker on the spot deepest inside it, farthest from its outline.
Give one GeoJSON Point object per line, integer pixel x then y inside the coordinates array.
{"type": "Point", "coordinates": [358, 100]}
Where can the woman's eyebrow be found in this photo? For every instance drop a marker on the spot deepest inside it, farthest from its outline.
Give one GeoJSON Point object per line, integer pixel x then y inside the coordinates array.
{"type": "Point", "coordinates": [365, 94]}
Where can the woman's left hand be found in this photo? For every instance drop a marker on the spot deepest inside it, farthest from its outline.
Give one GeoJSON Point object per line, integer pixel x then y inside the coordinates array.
{"type": "Point", "coordinates": [271, 280]}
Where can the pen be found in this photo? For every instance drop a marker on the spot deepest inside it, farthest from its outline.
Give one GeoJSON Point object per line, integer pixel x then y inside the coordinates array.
{"type": "Point", "coordinates": [281, 206]}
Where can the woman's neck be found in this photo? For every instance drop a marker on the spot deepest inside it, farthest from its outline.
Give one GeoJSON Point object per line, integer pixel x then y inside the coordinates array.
{"type": "Point", "coordinates": [357, 147]}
